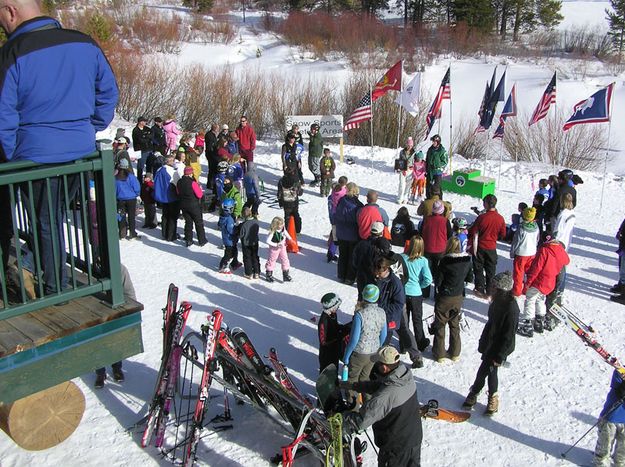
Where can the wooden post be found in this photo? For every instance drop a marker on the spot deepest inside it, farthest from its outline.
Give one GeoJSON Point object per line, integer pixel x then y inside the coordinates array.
{"type": "Point", "coordinates": [341, 149]}
{"type": "Point", "coordinates": [43, 419]}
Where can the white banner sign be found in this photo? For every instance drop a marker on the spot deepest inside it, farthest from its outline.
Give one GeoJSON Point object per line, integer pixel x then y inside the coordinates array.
{"type": "Point", "coordinates": [330, 126]}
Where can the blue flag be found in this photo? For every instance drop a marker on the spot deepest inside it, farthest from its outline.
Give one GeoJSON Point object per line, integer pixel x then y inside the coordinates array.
{"type": "Point", "coordinates": [595, 109]}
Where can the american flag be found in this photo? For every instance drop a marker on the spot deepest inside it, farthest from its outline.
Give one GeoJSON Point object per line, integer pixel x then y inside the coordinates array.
{"type": "Point", "coordinates": [444, 92]}
{"type": "Point", "coordinates": [361, 114]}
{"type": "Point", "coordinates": [548, 98]}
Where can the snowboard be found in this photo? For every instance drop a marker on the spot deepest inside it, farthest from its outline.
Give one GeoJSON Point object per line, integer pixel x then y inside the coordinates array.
{"type": "Point", "coordinates": [433, 411]}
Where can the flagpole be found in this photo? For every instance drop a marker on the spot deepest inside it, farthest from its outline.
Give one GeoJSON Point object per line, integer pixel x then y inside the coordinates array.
{"type": "Point", "coordinates": [451, 120]}
{"type": "Point", "coordinates": [516, 172]}
{"type": "Point", "coordinates": [555, 123]}
{"type": "Point", "coordinates": [487, 151]}
{"type": "Point", "coordinates": [401, 89]}
{"type": "Point", "coordinates": [371, 100]}
{"type": "Point", "coordinates": [605, 163]}
{"type": "Point", "coordinates": [500, 161]}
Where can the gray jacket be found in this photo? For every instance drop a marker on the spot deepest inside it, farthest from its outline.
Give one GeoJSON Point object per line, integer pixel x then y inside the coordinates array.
{"type": "Point", "coordinates": [248, 232]}
{"type": "Point", "coordinates": [525, 240]}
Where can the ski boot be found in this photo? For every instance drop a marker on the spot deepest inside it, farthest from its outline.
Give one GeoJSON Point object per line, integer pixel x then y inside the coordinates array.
{"type": "Point", "coordinates": [525, 328]}
{"type": "Point", "coordinates": [269, 276]}
{"type": "Point", "coordinates": [118, 375]}
{"type": "Point", "coordinates": [550, 322]}
{"type": "Point", "coordinates": [417, 362]}
{"type": "Point", "coordinates": [493, 404]}
{"type": "Point", "coordinates": [618, 288]}
{"type": "Point", "coordinates": [539, 324]}
{"type": "Point", "coordinates": [99, 380]}
{"type": "Point", "coordinates": [470, 401]}
{"type": "Point", "coordinates": [286, 277]}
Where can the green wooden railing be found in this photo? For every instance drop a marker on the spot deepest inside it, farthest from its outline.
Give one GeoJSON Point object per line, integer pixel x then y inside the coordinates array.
{"type": "Point", "coordinates": [87, 215]}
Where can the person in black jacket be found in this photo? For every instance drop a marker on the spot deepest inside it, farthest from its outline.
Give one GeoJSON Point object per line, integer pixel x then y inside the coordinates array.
{"type": "Point", "coordinates": [393, 410]}
{"type": "Point", "coordinates": [552, 207]}
{"type": "Point", "coordinates": [289, 191]}
{"type": "Point", "coordinates": [402, 228]}
{"type": "Point", "coordinates": [142, 141]}
{"type": "Point", "coordinates": [365, 255]}
{"type": "Point", "coordinates": [331, 333]}
{"type": "Point", "coordinates": [496, 342]}
{"type": "Point", "coordinates": [189, 196]}
{"type": "Point", "coordinates": [159, 143]}
{"type": "Point", "coordinates": [453, 271]}
{"type": "Point", "coordinates": [248, 233]}
{"type": "Point", "coordinates": [210, 145]}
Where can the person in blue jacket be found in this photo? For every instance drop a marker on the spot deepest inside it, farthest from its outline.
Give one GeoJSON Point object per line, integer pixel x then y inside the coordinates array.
{"type": "Point", "coordinates": [56, 91]}
{"type": "Point", "coordinates": [368, 333]}
{"type": "Point", "coordinates": [252, 191]}
{"type": "Point", "coordinates": [346, 222]}
{"type": "Point", "coordinates": [127, 189]}
{"type": "Point", "coordinates": [228, 236]}
{"type": "Point", "coordinates": [611, 436]}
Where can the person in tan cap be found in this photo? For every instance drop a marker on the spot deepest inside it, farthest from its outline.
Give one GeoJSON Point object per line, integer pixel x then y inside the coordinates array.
{"type": "Point", "coordinates": [393, 410]}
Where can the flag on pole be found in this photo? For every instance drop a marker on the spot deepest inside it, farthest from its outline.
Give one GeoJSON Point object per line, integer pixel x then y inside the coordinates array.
{"type": "Point", "coordinates": [444, 92]}
{"type": "Point", "coordinates": [481, 112]}
{"type": "Point", "coordinates": [548, 98]}
{"type": "Point", "coordinates": [492, 96]}
{"type": "Point", "coordinates": [362, 113]}
{"type": "Point", "coordinates": [409, 98]}
{"type": "Point", "coordinates": [391, 81]}
{"type": "Point", "coordinates": [595, 109]}
{"type": "Point", "coordinates": [509, 110]}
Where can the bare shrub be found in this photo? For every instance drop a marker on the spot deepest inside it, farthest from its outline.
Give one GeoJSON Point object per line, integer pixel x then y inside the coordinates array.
{"type": "Point", "coordinates": [467, 143]}
{"type": "Point", "coordinates": [203, 29]}
{"type": "Point", "coordinates": [577, 148]}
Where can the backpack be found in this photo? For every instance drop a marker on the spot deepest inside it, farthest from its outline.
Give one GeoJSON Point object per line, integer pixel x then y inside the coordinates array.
{"type": "Point", "coordinates": [289, 195]}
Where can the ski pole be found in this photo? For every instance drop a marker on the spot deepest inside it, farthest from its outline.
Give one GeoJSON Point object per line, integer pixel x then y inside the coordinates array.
{"type": "Point", "coordinates": [371, 443]}
{"type": "Point", "coordinates": [612, 409]}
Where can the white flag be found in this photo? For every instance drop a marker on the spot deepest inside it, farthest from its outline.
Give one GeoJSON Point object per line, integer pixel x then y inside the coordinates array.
{"type": "Point", "coordinates": [409, 97]}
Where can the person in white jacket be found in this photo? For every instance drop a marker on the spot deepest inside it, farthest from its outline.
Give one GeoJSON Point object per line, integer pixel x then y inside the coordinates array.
{"type": "Point", "coordinates": [523, 249]}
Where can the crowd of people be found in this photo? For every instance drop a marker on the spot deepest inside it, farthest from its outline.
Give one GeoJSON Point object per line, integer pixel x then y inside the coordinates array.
{"type": "Point", "coordinates": [396, 264]}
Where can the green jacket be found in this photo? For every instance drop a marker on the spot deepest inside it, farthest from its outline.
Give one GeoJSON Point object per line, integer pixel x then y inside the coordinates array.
{"type": "Point", "coordinates": [435, 161]}
{"type": "Point", "coordinates": [315, 147]}
{"type": "Point", "coordinates": [234, 194]}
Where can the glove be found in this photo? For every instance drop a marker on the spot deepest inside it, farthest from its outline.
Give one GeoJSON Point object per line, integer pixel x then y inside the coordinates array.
{"type": "Point", "coordinates": [620, 390]}
{"type": "Point", "coordinates": [345, 385]}
{"type": "Point", "coordinates": [350, 425]}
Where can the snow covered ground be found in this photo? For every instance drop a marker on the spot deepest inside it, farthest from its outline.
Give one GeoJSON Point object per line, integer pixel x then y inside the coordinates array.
{"type": "Point", "coordinates": [553, 389]}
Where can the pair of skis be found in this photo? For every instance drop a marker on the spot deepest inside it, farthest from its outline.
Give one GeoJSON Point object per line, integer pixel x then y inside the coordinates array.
{"type": "Point", "coordinates": [174, 321]}
{"type": "Point", "coordinates": [587, 334]}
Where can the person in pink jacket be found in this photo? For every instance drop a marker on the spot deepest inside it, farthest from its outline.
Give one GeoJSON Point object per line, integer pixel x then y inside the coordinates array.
{"type": "Point", "coordinates": [171, 133]}
{"type": "Point", "coordinates": [418, 179]}
{"type": "Point", "coordinates": [276, 240]}
{"type": "Point", "coordinates": [247, 141]}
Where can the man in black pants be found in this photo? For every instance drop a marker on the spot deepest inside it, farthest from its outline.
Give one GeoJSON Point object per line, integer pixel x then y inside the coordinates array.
{"type": "Point", "coordinates": [393, 410]}
{"type": "Point", "coordinates": [289, 191]}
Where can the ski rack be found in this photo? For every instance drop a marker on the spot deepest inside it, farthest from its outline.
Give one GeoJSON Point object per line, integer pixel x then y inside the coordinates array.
{"type": "Point", "coordinates": [587, 334]}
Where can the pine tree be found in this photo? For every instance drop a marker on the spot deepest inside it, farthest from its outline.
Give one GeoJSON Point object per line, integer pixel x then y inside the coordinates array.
{"type": "Point", "coordinates": [616, 18]}
{"type": "Point", "coordinates": [548, 12]}
{"type": "Point", "coordinates": [477, 14]}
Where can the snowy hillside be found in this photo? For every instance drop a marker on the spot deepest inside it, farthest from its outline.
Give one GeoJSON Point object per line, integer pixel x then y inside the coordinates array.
{"type": "Point", "coordinates": [553, 389]}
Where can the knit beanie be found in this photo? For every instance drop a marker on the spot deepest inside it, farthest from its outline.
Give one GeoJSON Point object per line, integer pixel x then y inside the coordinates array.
{"type": "Point", "coordinates": [188, 170]}
{"type": "Point", "coordinates": [438, 207]}
{"type": "Point", "coordinates": [529, 214]}
{"type": "Point", "coordinates": [371, 293]}
{"type": "Point", "coordinates": [330, 302]}
{"type": "Point", "coordinates": [503, 281]}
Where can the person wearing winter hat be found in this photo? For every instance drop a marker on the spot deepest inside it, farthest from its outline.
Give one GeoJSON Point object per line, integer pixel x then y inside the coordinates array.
{"type": "Point", "coordinates": [496, 342]}
{"type": "Point", "coordinates": [149, 203]}
{"type": "Point", "coordinates": [331, 333]}
{"type": "Point", "coordinates": [435, 162]}
{"type": "Point", "coordinates": [403, 166]}
{"type": "Point", "coordinates": [365, 254]}
{"type": "Point", "coordinates": [367, 334]}
{"type": "Point", "coordinates": [393, 410]}
{"type": "Point", "coordinates": [418, 179]}
{"type": "Point", "coordinates": [189, 196]}
{"type": "Point", "coordinates": [523, 248]}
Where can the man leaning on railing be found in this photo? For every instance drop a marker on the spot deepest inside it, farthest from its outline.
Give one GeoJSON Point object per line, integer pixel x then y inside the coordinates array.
{"type": "Point", "coordinates": [56, 90]}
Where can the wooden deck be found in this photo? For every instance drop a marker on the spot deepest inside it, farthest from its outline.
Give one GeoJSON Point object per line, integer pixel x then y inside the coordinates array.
{"type": "Point", "coordinates": [58, 343]}
{"type": "Point", "coordinates": [48, 324]}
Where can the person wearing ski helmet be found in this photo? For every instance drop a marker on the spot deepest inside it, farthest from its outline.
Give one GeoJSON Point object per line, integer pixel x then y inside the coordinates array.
{"type": "Point", "coordinates": [392, 410]}
{"type": "Point", "coordinates": [331, 333]}
{"type": "Point", "coordinates": [496, 342]}
{"type": "Point", "coordinates": [435, 162]}
{"type": "Point", "coordinates": [367, 335]}
{"type": "Point", "coordinates": [315, 151]}
{"type": "Point", "coordinates": [459, 230]}
{"type": "Point", "coordinates": [228, 236]}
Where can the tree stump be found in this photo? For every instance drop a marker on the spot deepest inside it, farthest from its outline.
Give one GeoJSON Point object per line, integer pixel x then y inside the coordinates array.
{"type": "Point", "coordinates": [43, 419]}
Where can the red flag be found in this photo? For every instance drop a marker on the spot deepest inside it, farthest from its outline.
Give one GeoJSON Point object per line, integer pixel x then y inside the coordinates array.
{"type": "Point", "coordinates": [391, 81]}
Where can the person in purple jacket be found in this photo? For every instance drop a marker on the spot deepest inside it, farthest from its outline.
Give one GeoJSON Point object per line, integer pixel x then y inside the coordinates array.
{"type": "Point", "coordinates": [610, 449]}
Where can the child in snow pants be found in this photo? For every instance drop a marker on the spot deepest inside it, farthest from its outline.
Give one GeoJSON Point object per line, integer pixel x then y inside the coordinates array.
{"type": "Point", "coordinates": [277, 250]}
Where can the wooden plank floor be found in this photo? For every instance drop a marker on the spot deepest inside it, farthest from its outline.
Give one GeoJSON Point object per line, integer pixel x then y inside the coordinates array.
{"type": "Point", "coordinates": [51, 323]}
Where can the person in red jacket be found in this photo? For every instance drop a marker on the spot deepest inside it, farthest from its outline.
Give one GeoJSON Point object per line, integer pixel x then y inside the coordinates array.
{"type": "Point", "coordinates": [489, 227]}
{"type": "Point", "coordinates": [149, 204]}
{"type": "Point", "coordinates": [435, 230]}
{"type": "Point", "coordinates": [541, 280]}
{"type": "Point", "coordinates": [247, 141]}
{"type": "Point", "coordinates": [369, 214]}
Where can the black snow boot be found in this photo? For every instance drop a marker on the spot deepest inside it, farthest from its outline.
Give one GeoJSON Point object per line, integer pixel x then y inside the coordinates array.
{"type": "Point", "coordinates": [269, 276]}
{"type": "Point", "coordinates": [285, 276]}
{"type": "Point", "coordinates": [525, 328]}
{"type": "Point", "coordinates": [99, 380]}
{"type": "Point", "coordinates": [539, 324]}
{"type": "Point", "coordinates": [550, 322]}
